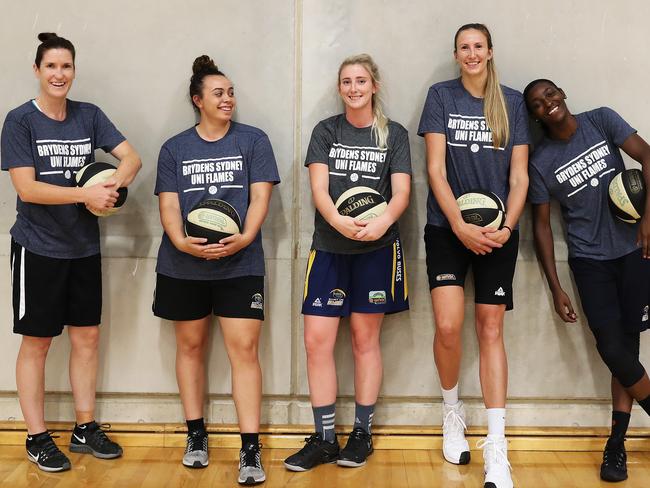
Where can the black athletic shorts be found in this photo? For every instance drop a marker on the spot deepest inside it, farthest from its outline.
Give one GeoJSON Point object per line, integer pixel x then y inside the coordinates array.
{"type": "Point", "coordinates": [178, 299]}
{"type": "Point", "coordinates": [614, 292]}
{"type": "Point", "coordinates": [50, 293]}
{"type": "Point", "coordinates": [448, 261]}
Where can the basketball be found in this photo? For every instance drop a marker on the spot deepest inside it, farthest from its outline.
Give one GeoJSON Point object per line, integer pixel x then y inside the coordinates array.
{"type": "Point", "coordinates": [361, 203]}
{"type": "Point", "coordinates": [214, 220]}
{"type": "Point", "coordinates": [627, 195]}
{"type": "Point", "coordinates": [94, 173]}
{"type": "Point", "coordinates": [482, 208]}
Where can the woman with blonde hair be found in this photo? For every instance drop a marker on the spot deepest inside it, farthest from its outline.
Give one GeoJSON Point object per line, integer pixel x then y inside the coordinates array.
{"type": "Point", "coordinates": [356, 267]}
{"type": "Point", "coordinates": [476, 136]}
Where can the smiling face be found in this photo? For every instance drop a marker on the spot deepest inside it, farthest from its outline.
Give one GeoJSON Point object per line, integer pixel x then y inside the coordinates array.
{"type": "Point", "coordinates": [472, 52]}
{"type": "Point", "coordinates": [546, 103]}
{"type": "Point", "coordinates": [356, 87]}
{"type": "Point", "coordinates": [217, 100]}
{"type": "Point", "coordinates": [55, 73]}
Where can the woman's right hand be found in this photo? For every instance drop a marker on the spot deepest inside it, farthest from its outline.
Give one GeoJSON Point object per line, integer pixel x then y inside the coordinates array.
{"type": "Point", "coordinates": [347, 226]}
{"type": "Point", "coordinates": [563, 306]}
{"type": "Point", "coordinates": [101, 196]}
{"type": "Point", "coordinates": [474, 238]}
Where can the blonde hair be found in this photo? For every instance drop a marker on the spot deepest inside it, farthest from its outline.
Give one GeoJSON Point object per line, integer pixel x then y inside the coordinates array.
{"type": "Point", "coordinates": [379, 120]}
{"type": "Point", "coordinates": [494, 103]}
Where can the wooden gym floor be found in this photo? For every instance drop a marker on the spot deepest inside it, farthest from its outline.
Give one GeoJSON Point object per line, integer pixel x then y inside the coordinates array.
{"type": "Point", "coordinates": [407, 457]}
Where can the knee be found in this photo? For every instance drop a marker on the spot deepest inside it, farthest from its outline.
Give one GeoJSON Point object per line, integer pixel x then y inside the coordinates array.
{"type": "Point", "coordinates": [246, 351]}
{"type": "Point", "coordinates": [490, 332]}
{"type": "Point", "coordinates": [363, 344]}
{"type": "Point", "coordinates": [86, 339]}
{"type": "Point", "coordinates": [36, 346]}
{"type": "Point", "coordinates": [192, 347]}
{"type": "Point", "coordinates": [447, 334]}
{"type": "Point", "coordinates": [316, 346]}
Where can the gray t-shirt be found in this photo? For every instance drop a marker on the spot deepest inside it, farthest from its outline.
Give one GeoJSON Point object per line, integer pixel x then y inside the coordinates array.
{"type": "Point", "coordinates": [354, 159]}
{"type": "Point", "coordinates": [577, 174]}
{"type": "Point", "coordinates": [56, 150]}
{"type": "Point", "coordinates": [199, 170]}
{"type": "Point", "coordinates": [472, 162]}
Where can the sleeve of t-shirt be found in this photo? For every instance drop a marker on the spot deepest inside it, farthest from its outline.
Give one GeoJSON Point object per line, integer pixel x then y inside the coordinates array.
{"type": "Point", "coordinates": [433, 114]}
{"type": "Point", "coordinates": [107, 137]}
{"type": "Point", "coordinates": [400, 159]}
{"type": "Point", "coordinates": [616, 128]}
{"type": "Point", "coordinates": [537, 191]}
{"type": "Point", "coordinates": [15, 145]}
{"type": "Point", "coordinates": [166, 173]}
{"type": "Point", "coordinates": [521, 130]}
{"type": "Point", "coordinates": [263, 165]}
{"type": "Point", "coordinates": [319, 145]}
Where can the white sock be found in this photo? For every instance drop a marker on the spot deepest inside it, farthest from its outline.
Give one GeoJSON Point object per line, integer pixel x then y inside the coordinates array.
{"type": "Point", "coordinates": [450, 397]}
{"type": "Point", "coordinates": [496, 422]}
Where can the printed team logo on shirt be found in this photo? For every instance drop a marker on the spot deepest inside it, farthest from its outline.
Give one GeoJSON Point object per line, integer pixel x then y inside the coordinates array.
{"type": "Point", "coordinates": [212, 174]}
{"type": "Point", "coordinates": [469, 131]}
{"type": "Point", "coordinates": [585, 169]}
{"type": "Point", "coordinates": [377, 297]}
{"type": "Point", "coordinates": [257, 301]}
{"type": "Point", "coordinates": [336, 297]}
{"type": "Point", "coordinates": [356, 162]}
{"type": "Point", "coordinates": [445, 277]}
{"type": "Point", "coordinates": [63, 155]}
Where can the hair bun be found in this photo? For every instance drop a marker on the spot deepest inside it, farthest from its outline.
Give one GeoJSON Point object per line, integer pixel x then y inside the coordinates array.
{"type": "Point", "coordinates": [203, 63]}
{"type": "Point", "coordinates": [46, 36]}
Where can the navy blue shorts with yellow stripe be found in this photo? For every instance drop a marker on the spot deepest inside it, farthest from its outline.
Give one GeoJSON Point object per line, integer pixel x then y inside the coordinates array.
{"type": "Point", "coordinates": [338, 284]}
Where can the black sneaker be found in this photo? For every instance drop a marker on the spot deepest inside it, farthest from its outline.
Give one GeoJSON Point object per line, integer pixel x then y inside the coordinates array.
{"type": "Point", "coordinates": [614, 467]}
{"type": "Point", "coordinates": [316, 451]}
{"type": "Point", "coordinates": [91, 439]}
{"type": "Point", "coordinates": [251, 471]}
{"type": "Point", "coordinates": [357, 450]}
{"type": "Point", "coordinates": [42, 450]}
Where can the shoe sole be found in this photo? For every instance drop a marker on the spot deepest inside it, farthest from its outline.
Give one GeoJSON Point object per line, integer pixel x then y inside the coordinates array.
{"type": "Point", "coordinates": [300, 469]}
{"type": "Point", "coordinates": [89, 450]}
{"type": "Point", "coordinates": [196, 465]}
{"type": "Point", "coordinates": [348, 463]}
{"type": "Point", "coordinates": [464, 459]}
{"type": "Point", "coordinates": [251, 481]}
{"type": "Point", "coordinates": [47, 469]}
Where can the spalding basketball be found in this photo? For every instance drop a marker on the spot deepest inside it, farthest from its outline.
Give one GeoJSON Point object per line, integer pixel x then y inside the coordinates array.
{"type": "Point", "coordinates": [361, 203]}
{"type": "Point", "coordinates": [627, 195]}
{"type": "Point", "coordinates": [482, 208]}
{"type": "Point", "coordinates": [95, 173]}
{"type": "Point", "coordinates": [214, 220]}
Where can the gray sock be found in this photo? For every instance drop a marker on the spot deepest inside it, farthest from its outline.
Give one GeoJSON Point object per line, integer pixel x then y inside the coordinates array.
{"type": "Point", "coordinates": [324, 419]}
{"type": "Point", "coordinates": [363, 416]}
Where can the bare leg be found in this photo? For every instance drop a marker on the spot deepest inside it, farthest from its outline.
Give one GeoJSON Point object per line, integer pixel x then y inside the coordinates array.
{"type": "Point", "coordinates": [493, 361]}
{"type": "Point", "coordinates": [320, 338]}
{"type": "Point", "coordinates": [191, 339]}
{"type": "Point", "coordinates": [30, 381]}
{"type": "Point", "coordinates": [448, 310]}
{"type": "Point", "coordinates": [242, 337]}
{"type": "Point", "coordinates": [366, 329]}
{"type": "Point", "coordinates": [84, 343]}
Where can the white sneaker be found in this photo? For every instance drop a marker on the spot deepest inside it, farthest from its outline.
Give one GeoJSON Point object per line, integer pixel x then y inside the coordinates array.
{"type": "Point", "coordinates": [496, 465]}
{"type": "Point", "coordinates": [455, 448]}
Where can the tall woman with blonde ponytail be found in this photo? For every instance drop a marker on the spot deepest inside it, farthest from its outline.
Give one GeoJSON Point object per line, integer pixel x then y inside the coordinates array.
{"type": "Point", "coordinates": [476, 136]}
{"type": "Point", "coordinates": [356, 267]}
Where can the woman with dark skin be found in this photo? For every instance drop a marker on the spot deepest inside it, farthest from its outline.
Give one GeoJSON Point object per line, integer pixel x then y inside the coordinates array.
{"type": "Point", "coordinates": [574, 164]}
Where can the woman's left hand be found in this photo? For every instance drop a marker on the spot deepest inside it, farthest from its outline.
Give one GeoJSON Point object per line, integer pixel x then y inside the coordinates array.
{"type": "Point", "coordinates": [643, 236]}
{"type": "Point", "coordinates": [500, 236]}
{"type": "Point", "coordinates": [374, 229]}
{"type": "Point", "coordinates": [230, 245]}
